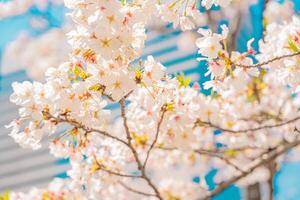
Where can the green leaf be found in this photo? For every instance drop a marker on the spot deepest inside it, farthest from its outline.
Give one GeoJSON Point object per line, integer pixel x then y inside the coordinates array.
{"type": "Point", "coordinates": [230, 153]}
{"type": "Point", "coordinates": [97, 88]}
{"type": "Point", "coordinates": [265, 22]}
{"type": "Point", "coordinates": [4, 196]}
{"type": "Point", "coordinates": [169, 107]}
{"type": "Point", "coordinates": [138, 75]}
{"type": "Point", "coordinates": [183, 82]}
{"type": "Point", "coordinates": [79, 72]}
{"type": "Point", "coordinates": [123, 1]}
{"type": "Point", "coordinates": [214, 94]}
{"type": "Point", "coordinates": [292, 45]}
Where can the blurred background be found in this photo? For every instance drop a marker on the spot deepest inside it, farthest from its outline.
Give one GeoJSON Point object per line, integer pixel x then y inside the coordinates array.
{"type": "Point", "coordinates": [32, 39]}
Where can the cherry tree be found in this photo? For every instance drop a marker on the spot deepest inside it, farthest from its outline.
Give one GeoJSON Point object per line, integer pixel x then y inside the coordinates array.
{"type": "Point", "coordinates": [166, 131]}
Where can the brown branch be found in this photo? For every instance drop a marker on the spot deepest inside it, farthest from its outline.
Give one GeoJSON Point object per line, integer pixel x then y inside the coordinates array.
{"type": "Point", "coordinates": [272, 166]}
{"type": "Point", "coordinates": [233, 37]}
{"type": "Point", "coordinates": [262, 117]}
{"type": "Point", "coordinates": [213, 151]}
{"type": "Point", "coordinates": [64, 119]}
{"type": "Point", "coordinates": [118, 174]}
{"type": "Point", "coordinates": [210, 20]}
{"type": "Point", "coordinates": [228, 162]}
{"type": "Point", "coordinates": [103, 168]}
{"type": "Point", "coordinates": [163, 110]}
{"type": "Point", "coordinates": [134, 190]}
{"type": "Point", "coordinates": [133, 150]}
{"type": "Point", "coordinates": [221, 157]}
{"type": "Point", "coordinates": [209, 124]}
{"type": "Point", "coordinates": [262, 160]}
{"type": "Point", "coordinates": [76, 124]}
{"type": "Point", "coordinates": [109, 97]}
{"type": "Point", "coordinates": [268, 61]}
{"type": "Point", "coordinates": [127, 95]}
{"type": "Point", "coordinates": [223, 150]}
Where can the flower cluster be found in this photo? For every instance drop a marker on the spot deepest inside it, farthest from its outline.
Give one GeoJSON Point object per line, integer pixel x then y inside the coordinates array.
{"type": "Point", "coordinates": [285, 39]}
{"type": "Point", "coordinates": [57, 189]}
{"type": "Point", "coordinates": [183, 13]}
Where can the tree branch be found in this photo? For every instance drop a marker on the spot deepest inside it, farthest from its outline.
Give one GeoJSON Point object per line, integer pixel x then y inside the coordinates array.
{"type": "Point", "coordinates": [109, 97]}
{"type": "Point", "coordinates": [209, 124]}
{"type": "Point", "coordinates": [272, 169]}
{"type": "Point", "coordinates": [134, 190]}
{"type": "Point", "coordinates": [234, 34]}
{"type": "Point", "coordinates": [221, 157]}
{"type": "Point", "coordinates": [268, 61]}
{"type": "Point", "coordinates": [135, 154]}
{"type": "Point", "coordinates": [262, 160]}
{"type": "Point", "coordinates": [103, 168]}
{"type": "Point", "coordinates": [163, 110]}
{"type": "Point", "coordinates": [76, 124]}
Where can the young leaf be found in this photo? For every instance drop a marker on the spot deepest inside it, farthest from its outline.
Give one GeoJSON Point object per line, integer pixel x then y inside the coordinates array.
{"type": "Point", "coordinates": [183, 82]}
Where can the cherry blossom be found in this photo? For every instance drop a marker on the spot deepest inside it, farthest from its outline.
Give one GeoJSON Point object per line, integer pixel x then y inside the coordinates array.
{"type": "Point", "coordinates": [164, 131]}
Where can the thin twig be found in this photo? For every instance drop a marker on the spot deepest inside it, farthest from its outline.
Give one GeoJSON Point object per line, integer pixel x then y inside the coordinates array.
{"type": "Point", "coordinates": [135, 154]}
{"type": "Point", "coordinates": [81, 126]}
{"type": "Point", "coordinates": [260, 161]}
{"type": "Point", "coordinates": [219, 151]}
{"type": "Point", "coordinates": [209, 124]}
{"type": "Point", "coordinates": [213, 153]}
{"type": "Point", "coordinates": [268, 61]}
{"type": "Point", "coordinates": [233, 37]}
{"type": "Point", "coordinates": [109, 97]}
{"type": "Point", "coordinates": [134, 190]}
{"type": "Point", "coordinates": [102, 167]}
{"type": "Point", "coordinates": [221, 157]}
{"type": "Point", "coordinates": [272, 169]}
{"type": "Point", "coordinates": [210, 20]}
{"type": "Point", "coordinates": [163, 110]}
